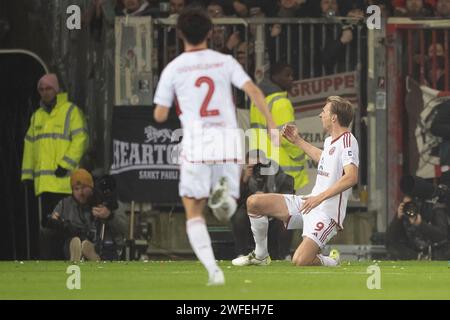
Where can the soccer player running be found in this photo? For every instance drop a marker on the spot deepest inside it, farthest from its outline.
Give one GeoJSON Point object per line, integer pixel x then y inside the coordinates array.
{"type": "Point", "coordinates": [323, 211]}
{"type": "Point", "coordinates": [199, 80]}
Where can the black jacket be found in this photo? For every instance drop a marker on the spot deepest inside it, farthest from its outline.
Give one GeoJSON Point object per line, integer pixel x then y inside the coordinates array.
{"type": "Point", "coordinates": [440, 127]}
{"type": "Point", "coordinates": [279, 183]}
{"type": "Point", "coordinates": [433, 228]}
{"type": "Point", "coordinates": [81, 218]}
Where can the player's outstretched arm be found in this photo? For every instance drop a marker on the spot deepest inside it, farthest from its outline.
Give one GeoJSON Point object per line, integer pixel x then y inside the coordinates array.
{"type": "Point", "coordinates": [290, 132]}
{"type": "Point", "coordinates": [257, 96]}
{"type": "Point", "coordinates": [161, 113]}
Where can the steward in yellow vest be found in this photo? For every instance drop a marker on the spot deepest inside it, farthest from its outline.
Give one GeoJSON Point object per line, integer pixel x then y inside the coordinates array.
{"type": "Point", "coordinates": [291, 159]}
{"type": "Point", "coordinates": [55, 141]}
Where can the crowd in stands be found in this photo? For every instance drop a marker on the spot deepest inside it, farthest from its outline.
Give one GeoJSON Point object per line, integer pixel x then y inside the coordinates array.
{"type": "Point", "coordinates": [283, 8]}
{"type": "Point", "coordinates": [333, 56]}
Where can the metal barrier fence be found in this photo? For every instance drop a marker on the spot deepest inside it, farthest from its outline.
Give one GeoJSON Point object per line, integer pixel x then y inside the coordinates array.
{"type": "Point", "coordinates": [300, 42]}
{"type": "Point", "coordinates": [427, 55]}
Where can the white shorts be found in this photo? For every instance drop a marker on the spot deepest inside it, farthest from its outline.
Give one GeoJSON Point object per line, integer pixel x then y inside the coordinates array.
{"type": "Point", "coordinates": [317, 225]}
{"type": "Point", "coordinates": [197, 179]}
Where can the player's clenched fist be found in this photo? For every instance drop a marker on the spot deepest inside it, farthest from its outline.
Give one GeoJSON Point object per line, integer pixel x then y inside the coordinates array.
{"type": "Point", "coordinates": [290, 132]}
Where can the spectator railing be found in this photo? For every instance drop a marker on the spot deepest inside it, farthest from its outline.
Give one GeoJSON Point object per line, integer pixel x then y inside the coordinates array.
{"type": "Point", "coordinates": [423, 42]}
{"type": "Point", "coordinates": [300, 41]}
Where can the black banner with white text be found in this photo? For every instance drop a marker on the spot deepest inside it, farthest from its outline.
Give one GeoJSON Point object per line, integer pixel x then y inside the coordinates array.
{"type": "Point", "coordinates": [144, 159]}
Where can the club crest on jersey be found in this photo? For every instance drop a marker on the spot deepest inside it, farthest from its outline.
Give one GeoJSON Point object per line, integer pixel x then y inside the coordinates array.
{"type": "Point", "coordinates": [332, 151]}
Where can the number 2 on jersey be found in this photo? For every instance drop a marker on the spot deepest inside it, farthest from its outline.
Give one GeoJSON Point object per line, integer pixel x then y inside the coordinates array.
{"type": "Point", "coordinates": [204, 112]}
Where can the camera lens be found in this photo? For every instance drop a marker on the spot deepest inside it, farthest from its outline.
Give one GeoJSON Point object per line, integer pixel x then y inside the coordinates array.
{"type": "Point", "coordinates": [411, 209]}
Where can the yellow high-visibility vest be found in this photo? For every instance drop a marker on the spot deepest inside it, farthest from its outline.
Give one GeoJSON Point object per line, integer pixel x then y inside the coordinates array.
{"type": "Point", "coordinates": [56, 138]}
{"type": "Point", "coordinates": [291, 158]}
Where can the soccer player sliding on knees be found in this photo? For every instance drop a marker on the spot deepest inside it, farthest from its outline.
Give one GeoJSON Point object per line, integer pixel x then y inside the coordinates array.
{"type": "Point", "coordinates": [320, 214]}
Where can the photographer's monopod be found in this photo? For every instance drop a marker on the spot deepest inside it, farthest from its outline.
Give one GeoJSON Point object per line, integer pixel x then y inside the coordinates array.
{"type": "Point", "coordinates": [102, 238]}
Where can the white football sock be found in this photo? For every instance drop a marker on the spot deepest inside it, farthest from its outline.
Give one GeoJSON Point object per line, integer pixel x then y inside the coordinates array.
{"type": "Point", "coordinates": [260, 226]}
{"type": "Point", "coordinates": [232, 206]}
{"type": "Point", "coordinates": [327, 261]}
{"type": "Point", "coordinates": [201, 243]}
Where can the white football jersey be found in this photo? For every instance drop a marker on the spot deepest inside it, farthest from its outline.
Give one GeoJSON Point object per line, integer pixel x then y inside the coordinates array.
{"type": "Point", "coordinates": [335, 156]}
{"type": "Point", "coordinates": [199, 82]}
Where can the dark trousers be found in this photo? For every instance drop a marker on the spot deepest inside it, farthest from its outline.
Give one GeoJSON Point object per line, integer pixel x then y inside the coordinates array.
{"type": "Point", "coordinates": [51, 243]}
{"type": "Point", "coordinates": [32, 217]}
{"type": "Point", "coordinates": [242, 233]}
{"type": "Point", "coordinates": [279, 239]}
{"type": "Point", "coordinates": [400, 251]}
{"type": "Point", "coordinates": [445, 178]}
{"type": "Point", "coordinates": [48, 204]}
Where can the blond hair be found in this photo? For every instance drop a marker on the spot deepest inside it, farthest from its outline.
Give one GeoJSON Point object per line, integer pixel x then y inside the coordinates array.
{"type": "Point", "coordinates": [343, 109]}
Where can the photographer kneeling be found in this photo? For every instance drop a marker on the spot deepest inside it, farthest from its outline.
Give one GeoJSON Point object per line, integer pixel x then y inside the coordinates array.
{"type": "Point", "coordinates": [420, 227]}
{"type": "Point", "coordinates": [83, 217]}
{"type": "Point", "coordinates": [253, 182]}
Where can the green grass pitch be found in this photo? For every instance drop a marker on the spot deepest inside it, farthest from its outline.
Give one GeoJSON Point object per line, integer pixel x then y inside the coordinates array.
{"type": "Point", "coordinates": [185, 280]}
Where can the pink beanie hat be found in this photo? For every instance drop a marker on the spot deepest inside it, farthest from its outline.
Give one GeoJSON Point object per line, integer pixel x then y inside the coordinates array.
{"type": "Point", "coordinates": [50, 80]}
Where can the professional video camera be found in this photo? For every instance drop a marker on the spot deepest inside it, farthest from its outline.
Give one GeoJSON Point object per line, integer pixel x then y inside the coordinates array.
{"type": "Point", "coordinates": [421, 190]}
{"type": "Point", "coordinates": [104, 192]}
